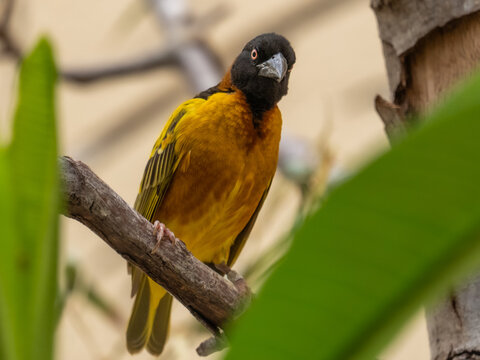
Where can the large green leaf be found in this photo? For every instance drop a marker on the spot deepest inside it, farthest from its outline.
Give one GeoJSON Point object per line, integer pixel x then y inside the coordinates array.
{"type": "Point", "coordinates": [384, 242]}
{"type": "Point", "coordinates": [8, 304]}
{"type": "Point", "coordinates": [29, 216]}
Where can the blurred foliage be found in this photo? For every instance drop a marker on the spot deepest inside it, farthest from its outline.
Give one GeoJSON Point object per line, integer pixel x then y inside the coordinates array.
{"type": "Point", "coordinates": [75, 282]}
{"type": "Point", "coordinates": [29, 216]}
{"type": "Point", "coordinates": [385, 241]}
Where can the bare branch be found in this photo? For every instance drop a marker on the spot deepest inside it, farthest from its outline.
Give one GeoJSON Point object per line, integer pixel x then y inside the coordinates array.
{"type": "Point", "coordinates": [212, 345]}
{"type": "Point", "coordinates": [210, 297]}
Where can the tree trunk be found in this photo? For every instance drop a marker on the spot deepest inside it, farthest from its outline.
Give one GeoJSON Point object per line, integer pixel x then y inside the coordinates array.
{"type": "Point", "coordinates": [429, 46]}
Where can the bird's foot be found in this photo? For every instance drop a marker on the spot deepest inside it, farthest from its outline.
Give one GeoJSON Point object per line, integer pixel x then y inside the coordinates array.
{"type": "Point", "coordinates": [161, 231]}
{"type": "Point", "coordinates": [237, 280]}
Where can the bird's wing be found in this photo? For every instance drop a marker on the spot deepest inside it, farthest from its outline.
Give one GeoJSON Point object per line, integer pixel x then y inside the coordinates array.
{"type": "Point", "coordinates": [160, 167]}
{"type": "Point", "coordinates": [241, 238]}
{"type": "Point", "coordinates": [159, 171]}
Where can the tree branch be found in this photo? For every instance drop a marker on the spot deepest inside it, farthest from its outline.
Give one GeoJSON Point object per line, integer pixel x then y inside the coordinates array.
{"type": "Point", "coordinates": [208, 296]}
{"type": "Point", "coordinates": [211, 345]}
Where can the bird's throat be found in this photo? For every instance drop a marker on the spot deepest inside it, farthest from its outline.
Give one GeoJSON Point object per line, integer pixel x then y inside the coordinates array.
{"type": "Point", "coordinates": [258, 107]}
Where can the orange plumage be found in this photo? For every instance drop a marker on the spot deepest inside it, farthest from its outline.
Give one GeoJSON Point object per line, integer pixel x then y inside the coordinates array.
{"type": "Point", "coordinates": [209, 172]}
{"type": "Point", "coordinates": [223, 180]}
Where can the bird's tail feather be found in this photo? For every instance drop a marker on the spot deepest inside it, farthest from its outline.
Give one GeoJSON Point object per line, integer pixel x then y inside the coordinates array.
{"type": "Point", "coordinates": [149, 321]}
{"type": "Point", "coordinates": [159, 332]}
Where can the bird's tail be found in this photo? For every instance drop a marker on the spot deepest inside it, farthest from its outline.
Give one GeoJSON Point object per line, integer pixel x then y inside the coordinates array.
{"type": "Point", "coordinates": [149, 321]}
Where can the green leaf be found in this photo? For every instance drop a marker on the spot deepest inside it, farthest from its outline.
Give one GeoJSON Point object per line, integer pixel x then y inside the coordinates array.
{"type": "Point", "coordinates": [8, 305]}
{"type": "Point", "coordinates": [29, 250]}
{"type": "Point", "coordinates": [384, 242]}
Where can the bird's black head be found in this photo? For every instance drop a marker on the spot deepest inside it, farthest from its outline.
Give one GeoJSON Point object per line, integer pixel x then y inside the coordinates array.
{"type": "Point", "coordinates": [262, 70]}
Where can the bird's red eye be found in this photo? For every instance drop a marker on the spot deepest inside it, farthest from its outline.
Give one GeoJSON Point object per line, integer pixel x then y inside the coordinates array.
{"type": "Point", "coordinates": [254, 54]}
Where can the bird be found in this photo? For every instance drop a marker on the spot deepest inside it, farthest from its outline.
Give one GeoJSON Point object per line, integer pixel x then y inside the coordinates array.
{"type": "Point", "coordinates": [209, 173]}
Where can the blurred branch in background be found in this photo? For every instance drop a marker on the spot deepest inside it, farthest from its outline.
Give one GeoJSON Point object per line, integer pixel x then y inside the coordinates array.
{"type": "Point", "coordinates": [186, 50]}
{"type": "Point", "coordinates": [8, 45]}
{"type": "Point", "coordinates": [164, 57]}
{"type": "Point", "coordinates": [198, 62]}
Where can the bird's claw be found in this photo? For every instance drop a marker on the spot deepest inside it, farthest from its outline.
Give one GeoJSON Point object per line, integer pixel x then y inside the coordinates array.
{"type": "Point", "coordinates": [161, 231]}
{"type": "Point", "coordinates": [237, 280]}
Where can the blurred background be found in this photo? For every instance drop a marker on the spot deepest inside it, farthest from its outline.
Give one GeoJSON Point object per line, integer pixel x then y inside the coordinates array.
{"type": "Point", "coordinates": [124, 67]}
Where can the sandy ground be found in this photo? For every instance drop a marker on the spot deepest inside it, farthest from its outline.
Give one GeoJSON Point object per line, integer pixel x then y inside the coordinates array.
{"type": "Point", "coordinates": [339, 70]}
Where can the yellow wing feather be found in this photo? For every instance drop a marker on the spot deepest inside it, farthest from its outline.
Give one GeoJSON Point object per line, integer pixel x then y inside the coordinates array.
{"type": "Point", "coordinates": [148, 325]}
{"type": "Point", "coordinates": [162, 163]}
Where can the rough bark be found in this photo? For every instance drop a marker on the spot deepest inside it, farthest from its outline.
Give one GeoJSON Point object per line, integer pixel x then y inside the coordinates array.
{"type": "Point", "coordinates": [454, 324]}
{"type": "Point", "coordinates": [403, 23]}
{"type": "Point", "coordinates": [209, 296]}
{"type": "Point", "coordinates": [429, 47]}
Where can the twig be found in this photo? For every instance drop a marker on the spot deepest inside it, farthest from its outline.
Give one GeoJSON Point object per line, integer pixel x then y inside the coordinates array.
{"type": "Point", "coordinates": [211, 345]}
{"type": "Point", "coordinates": [201, 290]}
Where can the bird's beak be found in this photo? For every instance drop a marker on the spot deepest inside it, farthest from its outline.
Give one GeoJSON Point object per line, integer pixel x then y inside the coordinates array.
{"type": "Point", "coordinates": [274, 68]}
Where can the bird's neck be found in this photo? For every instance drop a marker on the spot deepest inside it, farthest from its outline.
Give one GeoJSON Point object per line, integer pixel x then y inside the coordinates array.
{"type": "Point", "coordinates": [258, 105]}
{"type": "Point", "coordinates": [258, 108]}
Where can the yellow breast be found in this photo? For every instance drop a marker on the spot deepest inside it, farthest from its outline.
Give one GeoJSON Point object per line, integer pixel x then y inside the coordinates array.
{"type": "Point", "coordinates": [227, 164]}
